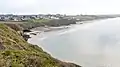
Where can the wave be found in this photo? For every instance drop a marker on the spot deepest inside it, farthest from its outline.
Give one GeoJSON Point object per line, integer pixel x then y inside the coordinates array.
{"type": "Point", "coordinates": [76, 28]}
{"type": "Point", "coordinates": [43, 38]}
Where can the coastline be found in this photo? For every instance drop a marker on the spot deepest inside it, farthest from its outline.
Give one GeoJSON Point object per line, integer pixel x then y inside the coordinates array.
{"type": "Point", "coordinates": [89, 22]}
{"type": "Point", "coordinates": [52, 28]}
{"type": "Point", "coordinates": [49, 29]}
{"type": "Point", "coordinates": [86, 22]}
{"type": "Point", "coordinates": [45, 29]}
{"type": "Point", "coordinates": [58, 40]}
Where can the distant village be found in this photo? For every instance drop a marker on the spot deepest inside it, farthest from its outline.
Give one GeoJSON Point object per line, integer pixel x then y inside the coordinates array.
{"type": "Point", "coordinates": [11, 17]}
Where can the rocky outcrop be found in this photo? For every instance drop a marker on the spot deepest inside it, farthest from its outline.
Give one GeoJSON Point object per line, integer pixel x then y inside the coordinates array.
{"type": "Point", "coordinates": [27, 30]}
{"type": "Point", "coordinates": [26, 37]}
{"type": "Point", "coordinates": [16, 52]}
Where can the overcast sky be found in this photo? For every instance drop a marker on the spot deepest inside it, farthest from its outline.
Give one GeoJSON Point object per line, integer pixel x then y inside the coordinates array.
{"type": "Point", "coordinates": [60, 6]}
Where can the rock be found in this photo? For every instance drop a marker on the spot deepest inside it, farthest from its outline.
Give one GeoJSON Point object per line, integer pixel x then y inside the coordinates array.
{"type": "Point", "coordinates": [27, 30]}
{"type": "Point", "coordinates": [26, 37]}
{"type": "Point", "coordinates": [33, 33]}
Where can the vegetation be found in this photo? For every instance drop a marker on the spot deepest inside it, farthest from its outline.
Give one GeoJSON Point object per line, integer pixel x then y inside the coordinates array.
{"type": "Point", "coordinates": [45, 22]}
{"type": "Point", "coordinates": [30, 25]}
{"type": "Point", "coordinates": [39, 20]}
{"type": "Point", "coordinates": [16, 52]}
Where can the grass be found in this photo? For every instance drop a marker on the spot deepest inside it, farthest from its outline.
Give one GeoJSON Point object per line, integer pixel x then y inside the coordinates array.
{"type": "Point", "coordinates": [19, 53]}
{"type": "Point", "coordinates": [39, 20]}
{"type": "Point", "coordinates": [21, 58]}
{"type": "Point", "coordinates": [16, 52]}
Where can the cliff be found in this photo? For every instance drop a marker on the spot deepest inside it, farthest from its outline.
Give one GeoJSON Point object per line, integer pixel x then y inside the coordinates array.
{"type": "Point", "coordinates": [16, 52]}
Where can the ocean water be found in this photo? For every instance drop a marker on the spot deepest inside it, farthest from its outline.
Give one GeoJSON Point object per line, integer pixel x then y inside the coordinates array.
{"type": "Point", "coordinates": [95, 44]}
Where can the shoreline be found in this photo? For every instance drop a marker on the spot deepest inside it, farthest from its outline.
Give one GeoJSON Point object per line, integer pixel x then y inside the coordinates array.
{"type": "Point", "coordinates": [38, 30]}
{"type": "Point", "coordinates": [63, 28]}
{"type": "Point", "coordinates": [52, 28]}
{"type": "Point", "coordinates": [86, 22]}
{"type": "Point", "coordinates": [49, 29]}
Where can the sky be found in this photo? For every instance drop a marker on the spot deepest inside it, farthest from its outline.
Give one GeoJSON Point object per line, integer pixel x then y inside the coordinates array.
{"type": "Point", "coordinates": [60, 7]}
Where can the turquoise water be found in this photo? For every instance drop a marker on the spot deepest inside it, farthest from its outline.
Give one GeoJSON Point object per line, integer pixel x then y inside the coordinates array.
{"type": "Point", "coordinates": [95, 44]}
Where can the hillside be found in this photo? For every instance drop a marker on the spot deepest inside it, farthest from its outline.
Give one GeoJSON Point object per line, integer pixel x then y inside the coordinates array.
{"type": "Point", "coordinates": [16, 52]}
{"type": "Point", "coordinates": [49, 23]}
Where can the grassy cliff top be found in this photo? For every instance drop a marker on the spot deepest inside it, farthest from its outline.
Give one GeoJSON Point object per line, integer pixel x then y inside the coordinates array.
{"type": "Point", "coordinates": [16, 52]}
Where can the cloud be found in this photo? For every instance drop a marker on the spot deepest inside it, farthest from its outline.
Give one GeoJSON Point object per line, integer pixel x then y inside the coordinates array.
{"type": "Point", "coordinates": [60, 6]}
